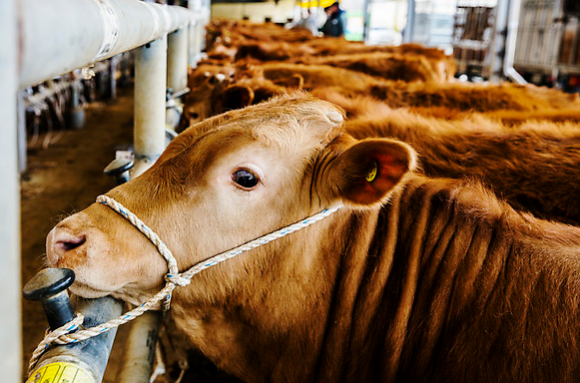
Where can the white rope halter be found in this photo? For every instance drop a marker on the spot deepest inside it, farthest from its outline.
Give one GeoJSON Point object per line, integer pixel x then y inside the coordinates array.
{"type": "Point", "coordinates": [173, 278]}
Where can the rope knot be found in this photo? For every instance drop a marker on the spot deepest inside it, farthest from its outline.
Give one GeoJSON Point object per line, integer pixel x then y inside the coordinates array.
{"type": "Point", "coordinates": [58, 336]}
{"type": "Point", "coordinates": [177, 279]}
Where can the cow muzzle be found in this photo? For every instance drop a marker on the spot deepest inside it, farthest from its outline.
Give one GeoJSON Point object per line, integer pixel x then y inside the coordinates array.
{"type": "Point", "coordinates": [64, 247]}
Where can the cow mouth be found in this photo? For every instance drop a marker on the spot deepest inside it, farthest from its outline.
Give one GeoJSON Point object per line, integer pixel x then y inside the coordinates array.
{"type": "Point", "coordinates": [87, 291]}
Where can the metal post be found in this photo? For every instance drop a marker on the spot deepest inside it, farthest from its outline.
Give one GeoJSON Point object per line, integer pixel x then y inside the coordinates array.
{"type": "Point", "coordinates": [510, 43]}
{"type": "Point", "coordinates": [150, 85]}
{"type": "Point", "coordinates": [10, 335]}
{"type": "Point", "coordinates": [408, 35]}
{"type": "Point", "coordinates": [76, 114]}
{"type": "Point", "coordinates": [113, 77]}
{"type": "Point", "coordinates": [498, 41]}
{"type": "Point", "coordinates": [177, 60]}
{"type": "Point", "coordinates": [139, 353]}
{"type": "Point", "coordinates": [21, 120]}
{"type": "Point", "coordinates": [195, 43]}
{"type": "Point", "coordinates": [192, 56]}
{"type": "Point", "coordinates": [366, 20]}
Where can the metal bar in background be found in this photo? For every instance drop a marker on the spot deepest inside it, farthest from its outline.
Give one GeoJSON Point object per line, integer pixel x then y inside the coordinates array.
{"type": "Point", "coordinates": [177, 60]}
{"type": "Point", "coordinates": [498, 41]}
{"type": "Point", "coordinates": [150, 94]}
{"type": "Point", "coordinates": [408, 35]}
{"type": "Point", "coordinates": [510, 43]}
{"type": "Point", "coordinates": [139, 355]}
{"type": "Point", "coordinates": [10, 335]}
{"type": "Point", "coordinates": [94, 30]}
{"type": "Point", "coordinates": [21, 132]}
{"type": "Point", "coordinates": [366, 20]}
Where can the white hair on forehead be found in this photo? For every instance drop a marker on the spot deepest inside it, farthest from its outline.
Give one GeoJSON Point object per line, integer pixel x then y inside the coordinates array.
{"type": "Point", "coordinates": [300, 128]}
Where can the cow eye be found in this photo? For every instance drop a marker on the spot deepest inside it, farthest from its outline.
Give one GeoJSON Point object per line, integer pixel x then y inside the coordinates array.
{"type": "Point", "coordinates": [245, 179]}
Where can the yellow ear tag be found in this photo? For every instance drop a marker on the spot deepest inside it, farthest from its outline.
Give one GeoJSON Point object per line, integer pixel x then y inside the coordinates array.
{"type": "Point", "coordinates": [373, 172]}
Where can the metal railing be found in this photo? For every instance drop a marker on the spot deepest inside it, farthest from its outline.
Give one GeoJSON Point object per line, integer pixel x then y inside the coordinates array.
{"type": "Point", "coordinates": [44, 39]}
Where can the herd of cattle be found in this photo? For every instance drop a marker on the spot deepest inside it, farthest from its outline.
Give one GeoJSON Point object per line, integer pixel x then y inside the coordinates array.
{"type": "Point", "coordinates": [455, 256]}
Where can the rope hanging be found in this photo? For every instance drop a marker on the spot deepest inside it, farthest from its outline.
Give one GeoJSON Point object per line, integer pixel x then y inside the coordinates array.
{"type": "Point", "coordinates": [173, 278]}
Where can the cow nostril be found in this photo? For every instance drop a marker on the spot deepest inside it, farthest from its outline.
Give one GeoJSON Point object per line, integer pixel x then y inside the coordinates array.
{"type": "Point", "coordinates": [71, 244]}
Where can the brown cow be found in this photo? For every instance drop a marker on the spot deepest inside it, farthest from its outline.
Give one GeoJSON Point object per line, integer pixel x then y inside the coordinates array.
{"type": "Point", "coordinates": [412, 280]}
{"type": "Point", "coordinates": [532, 166]}
{"type": "Point", "coordinates": [509, 103]}
{"type": "Point", "coordinates": [455, 98]}
{"type": "Point", "coordinates": [388, 66]}
{"type": "Point", "coordinates": [361, 106]}
{"type": "Point", "coordinates": [220, 94]}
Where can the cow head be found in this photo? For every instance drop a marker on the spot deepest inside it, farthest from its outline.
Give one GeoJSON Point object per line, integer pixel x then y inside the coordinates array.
{"type": "Point", "coordinates": [223, 182]}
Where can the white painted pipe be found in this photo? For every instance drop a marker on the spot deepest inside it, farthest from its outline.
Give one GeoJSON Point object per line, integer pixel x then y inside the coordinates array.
{"type": "Point", "coordinates": [194, 51]}
{"type": "Point", "coordinates": [497, 44]}
{"type": "Point", "coordinates": [510, 43]}
{"type": "Point", "coordinates": [150, 87]}
{"type": "Point", "coordinates": [177, 60]}
{"type": "Point", "coordinates": [139, 353]}
{"type": "Point", "coordinates": [94, 30]}
{"type": "Point", "coordinates": [10, 321]}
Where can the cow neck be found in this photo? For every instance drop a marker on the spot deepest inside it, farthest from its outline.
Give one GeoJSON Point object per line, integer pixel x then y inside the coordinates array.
{"type": "Point", "coordinates": [65, 334]}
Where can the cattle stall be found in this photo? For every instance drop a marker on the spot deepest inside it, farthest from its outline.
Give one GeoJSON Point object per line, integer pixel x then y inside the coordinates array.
{"type": "Point", "coordinates": [524, 40]}
{"type": "Point", "coordinates": [39, 46]}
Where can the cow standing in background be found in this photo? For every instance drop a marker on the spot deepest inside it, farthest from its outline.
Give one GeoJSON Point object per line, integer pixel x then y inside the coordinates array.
{"type": "Point", "coordinates": [413, 280]}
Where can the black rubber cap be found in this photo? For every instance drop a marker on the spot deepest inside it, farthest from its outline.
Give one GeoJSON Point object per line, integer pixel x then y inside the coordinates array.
{"type": "Point", "coordinates": [47, 283]}
{"type": "Point", "coordinates": [118, 166]}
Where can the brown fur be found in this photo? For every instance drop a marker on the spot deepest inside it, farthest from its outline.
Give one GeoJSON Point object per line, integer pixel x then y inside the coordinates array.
{"type": "Point", "coordinates": [510, 103]}
{"type": "Point", "coordinates": [414, 279]}
{"type": "Point", "coordinates": [531, 166]}
{"type": "Point", "coordinates": [389, 66]}
{"type": "Point", "coordinates": [350, 89]}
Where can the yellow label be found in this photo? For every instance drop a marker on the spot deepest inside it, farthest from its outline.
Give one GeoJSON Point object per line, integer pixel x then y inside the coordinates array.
{"type": "Point", "coordinates": [372, 174]}
{"type": "Point", "coordinates": [60, 373]}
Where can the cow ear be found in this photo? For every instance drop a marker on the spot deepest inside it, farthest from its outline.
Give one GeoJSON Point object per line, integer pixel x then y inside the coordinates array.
{"type": "Point", "coordinates": [237, 97]}
{"type": "Point", "coordinates": [296, 81]}
{"type": "Point", "coordinates": [367, 171]}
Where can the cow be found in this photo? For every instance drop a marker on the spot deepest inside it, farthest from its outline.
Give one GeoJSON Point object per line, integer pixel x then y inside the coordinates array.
{"type": "Point", "coordinates": [506, 116]}
{"type": "Point", "coordinates": [531, 166]}
{"type": "Point", "coordinates": [508, 101]}
{"type": "Point", "coordinates": [364, 105]}
{"type": "Point", "coordinates": [219, 94]}
{"type": "Point", "coordinates": [389, 66]}
{"type": "Point", "coordinates": [413, 279]}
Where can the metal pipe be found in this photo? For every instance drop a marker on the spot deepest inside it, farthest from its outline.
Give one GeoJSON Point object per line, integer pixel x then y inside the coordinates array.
{"type": "Point", "coordinates": [85, 360]}
{"type": "Point", "coordinates": [192, 53]}
{"type": "Point", "coordinates": [10, 335]}
{"type": "Point", "coordinates": [497, 44]}
{"type": "Point", "coordinates": [366, 20]}
{"type": "Point", "coordinates": [21, 132]}
{"type": "Point", "coordinates": [177, 60]}
{"type": "Point", "coordinates": [95, 30]}
{"type": "Point", "coordinates": [76, 113]}
{"type": "Point", "coordinates": [113, 77]}
{"type": "Point", "coordinates": [409, 28]}
{"type": "Point", "coordinates": [139, 353]}
{"type": "Point", "coordinates": [150, 85]}
{"type": "Point", "coordinates": [510, 43]}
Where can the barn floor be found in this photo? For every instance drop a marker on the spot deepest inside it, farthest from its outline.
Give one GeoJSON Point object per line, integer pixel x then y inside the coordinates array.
{"type": "Point", "coordinates": [67, 177]}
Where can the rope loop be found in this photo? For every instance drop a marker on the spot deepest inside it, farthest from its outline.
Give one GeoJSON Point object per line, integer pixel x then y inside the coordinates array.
{"type": "Point", "coordinates": [69, 334]}
{"type": "Point", "coordinates": [177, 279]}
{"type": "Point", "coordinates": [58, 336]}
